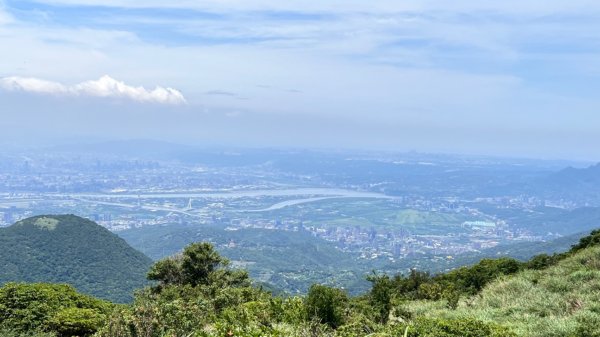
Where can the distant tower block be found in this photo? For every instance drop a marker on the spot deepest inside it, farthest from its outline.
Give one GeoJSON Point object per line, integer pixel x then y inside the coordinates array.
{"type": "Point", "coordinates": [189, 206]}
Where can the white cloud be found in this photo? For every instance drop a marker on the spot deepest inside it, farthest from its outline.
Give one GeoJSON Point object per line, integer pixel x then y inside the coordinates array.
{"type": "Point", "coordinates": [35, 85]}
{"type": "Point", "coordinates": [106, 86]}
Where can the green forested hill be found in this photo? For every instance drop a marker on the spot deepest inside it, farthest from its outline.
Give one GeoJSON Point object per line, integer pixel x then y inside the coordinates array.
{"type": "Point", "coordinates": [73, 250]}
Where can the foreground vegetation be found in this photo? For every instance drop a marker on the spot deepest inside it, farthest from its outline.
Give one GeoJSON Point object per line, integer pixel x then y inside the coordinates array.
{"type": "Point", "coordinates": [196, 293]}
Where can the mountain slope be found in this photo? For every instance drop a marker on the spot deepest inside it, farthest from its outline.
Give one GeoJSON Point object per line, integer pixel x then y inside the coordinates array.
{"type": "Point", "coordinates": [562, 300]}
{"type": "Point", "coordinates": [70, 249]}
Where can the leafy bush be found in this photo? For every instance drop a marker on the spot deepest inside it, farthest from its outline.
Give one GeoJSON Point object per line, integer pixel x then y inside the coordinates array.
{"type": "Point", "coordinates": [49, 307]}
{"type": "Point", "coordinates": [541, 261]}
{"type": "Point", "coordinates": [76, 322]}
{"type": "Point", "coordinates": [327, 305]}
{"type": "Point", "coordinates": [407, 287]}
{"type": "Point", "coordinates": [380, 297]}
{"type": "Point", "coordinates": [470, 280]}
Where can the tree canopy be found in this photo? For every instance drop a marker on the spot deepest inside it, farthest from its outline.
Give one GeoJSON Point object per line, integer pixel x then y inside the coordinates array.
{"type": "Point", "coordinates": [73, 250]}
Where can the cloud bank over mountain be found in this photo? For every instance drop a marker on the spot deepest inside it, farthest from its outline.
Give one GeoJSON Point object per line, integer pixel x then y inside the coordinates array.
{"type": "Point", "coordinates": [104, 87]}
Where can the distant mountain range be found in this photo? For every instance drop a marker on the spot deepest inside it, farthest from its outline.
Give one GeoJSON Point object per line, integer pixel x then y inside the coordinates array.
{"type": "Point", "coordinates": [579, 184]}
{"type": "Point", "coordinates": [73, 250]}
{"type": "Point", "coordinates": [577, 176]}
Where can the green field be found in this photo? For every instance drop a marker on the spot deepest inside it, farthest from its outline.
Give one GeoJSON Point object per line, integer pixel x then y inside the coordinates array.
{"type": "Point", "coordinates": [369, 213]}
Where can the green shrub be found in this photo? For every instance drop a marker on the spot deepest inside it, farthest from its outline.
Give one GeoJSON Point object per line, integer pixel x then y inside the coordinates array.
{"type": "Point", "coordinates": [76, 322]}
{"type": "Point", "coordinates": [199, 264]}
{"type": "Point", "coordinates": [292, 310]}
{"type": "Point", "coordinates": [380, 297]}
{"type": "Point", "coordinates": [471, 279]}
{"type": "Point", "coordinates": [541, 261]}
{"type": "Point", "coordinates": [34, 307]}
{"type": "Point", "coordinates": [327, 305]}
{"type": "Point", "coordinates": [430, 291]}
{"type": "Point", "coordinates": [587, 241]}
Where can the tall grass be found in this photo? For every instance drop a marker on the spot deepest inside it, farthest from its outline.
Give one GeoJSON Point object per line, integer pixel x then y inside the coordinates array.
{"type": "Point", "coordinates": [563, 300]}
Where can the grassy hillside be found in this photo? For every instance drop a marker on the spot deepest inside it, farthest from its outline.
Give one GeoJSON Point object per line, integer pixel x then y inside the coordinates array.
{"type": "Point", "coordinates": [73, 250]}
{"type": "Point", "coordinates": [562, 300]}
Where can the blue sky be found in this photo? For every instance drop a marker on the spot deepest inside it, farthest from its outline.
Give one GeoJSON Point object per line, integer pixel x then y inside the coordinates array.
{"type": "Point", "coordinates": [515, 78]}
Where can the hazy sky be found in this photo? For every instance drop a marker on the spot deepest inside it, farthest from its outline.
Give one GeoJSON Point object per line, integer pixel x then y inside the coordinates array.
{"type": "Point", "coordinates": [474, 76]}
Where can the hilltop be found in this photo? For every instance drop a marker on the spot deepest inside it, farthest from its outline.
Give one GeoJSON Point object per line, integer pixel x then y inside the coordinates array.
{"type": "Point", "coordinates": [73, 250]}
